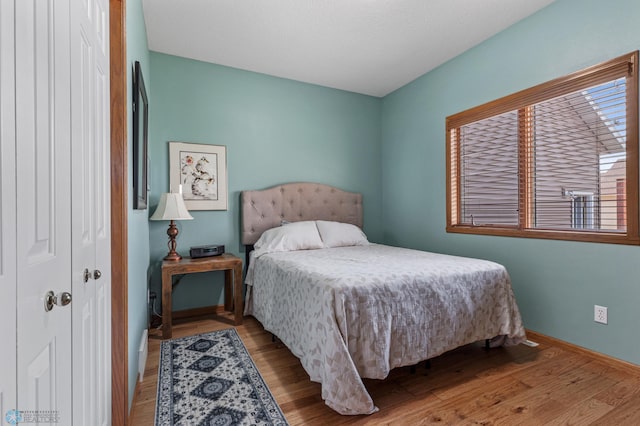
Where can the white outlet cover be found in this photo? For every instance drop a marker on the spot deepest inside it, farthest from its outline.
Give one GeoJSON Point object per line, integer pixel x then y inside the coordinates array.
{"type": "Point", "coordinates": [600, 314]}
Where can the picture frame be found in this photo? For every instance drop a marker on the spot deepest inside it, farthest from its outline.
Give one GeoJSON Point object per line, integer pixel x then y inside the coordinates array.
{"type": "Point", "coordinates": [199, 172]}
{"type": "Point", "coordinates": [140, 140]}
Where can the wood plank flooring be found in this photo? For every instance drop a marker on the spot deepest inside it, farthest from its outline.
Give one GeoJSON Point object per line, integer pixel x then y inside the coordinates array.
{"type": "Point", "coordinates": [551, 384]}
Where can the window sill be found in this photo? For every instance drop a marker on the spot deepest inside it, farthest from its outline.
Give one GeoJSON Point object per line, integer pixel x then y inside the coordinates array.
{"type": "Point", "coordinates": [579, 236]}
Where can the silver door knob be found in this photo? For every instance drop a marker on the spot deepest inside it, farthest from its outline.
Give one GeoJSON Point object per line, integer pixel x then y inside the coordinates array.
{"type": "Point", "coordinates": [51, 299]}
{"type": "Point", "coordinates": [87, 275]}
{"type": "Point", "coordinates": [63, 299]}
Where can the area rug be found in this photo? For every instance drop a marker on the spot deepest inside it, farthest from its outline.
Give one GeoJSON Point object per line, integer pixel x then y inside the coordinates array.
{"type": "Point", "coordinates": [210, 379]}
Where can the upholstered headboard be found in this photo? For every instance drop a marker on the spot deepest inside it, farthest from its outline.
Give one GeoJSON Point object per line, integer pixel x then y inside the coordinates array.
{"type": "Point", "coordinates": [293, 202]}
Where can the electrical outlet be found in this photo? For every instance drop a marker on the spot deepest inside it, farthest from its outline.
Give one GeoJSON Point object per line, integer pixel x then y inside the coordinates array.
{"type": "Point", "coordinates": [600, 314]}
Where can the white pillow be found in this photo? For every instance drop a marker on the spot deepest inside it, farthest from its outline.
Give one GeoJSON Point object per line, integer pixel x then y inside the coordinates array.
{"type": "Point", "coordinates": [294, 236]}
{"type": "Point", "coordinates": [337, 234]}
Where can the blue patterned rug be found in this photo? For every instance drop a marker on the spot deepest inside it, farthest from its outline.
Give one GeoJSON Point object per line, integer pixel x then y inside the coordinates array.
{"type": "Point", "coordinates": [210, 379]}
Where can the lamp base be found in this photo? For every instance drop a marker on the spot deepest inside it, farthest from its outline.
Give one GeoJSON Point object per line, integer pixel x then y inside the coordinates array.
{"type": "Point", "coordinates": [173, 256]}
{"type": "Point", "coordinates": [172, 232]}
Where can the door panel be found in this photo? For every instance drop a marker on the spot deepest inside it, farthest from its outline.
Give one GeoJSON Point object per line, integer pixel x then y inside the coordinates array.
{"type": "Point", "coordinates": [87, 366]}
{"type": "Point", "coordinates": [7, 210]}
{"type": "Point", "coordinates": [103, 356]}
{"type": "Point", "coordinates": [41, 379]}
{"type": "Point", "coordinates": [102, 218]}
{"type": "Point", "coordinates": [90, 206]}
{"type": "Point", "coordinates": [43, 202]}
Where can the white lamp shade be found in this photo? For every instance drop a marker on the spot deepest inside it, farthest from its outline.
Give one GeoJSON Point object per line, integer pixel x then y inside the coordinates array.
{"type": "Point", "coordinates": [171, 207]}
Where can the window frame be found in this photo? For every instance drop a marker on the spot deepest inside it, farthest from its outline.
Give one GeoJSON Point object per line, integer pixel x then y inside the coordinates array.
{"type": "Point", "coordinates": [622, 66]}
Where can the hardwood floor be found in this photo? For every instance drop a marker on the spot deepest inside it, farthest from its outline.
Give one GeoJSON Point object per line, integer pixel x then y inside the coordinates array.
{"type": "Point", "coordinates": [554, 384]}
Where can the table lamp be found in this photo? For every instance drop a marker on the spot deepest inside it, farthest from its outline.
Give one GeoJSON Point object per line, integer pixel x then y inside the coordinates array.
{"type": "Point", "coordinates": [171, 207]}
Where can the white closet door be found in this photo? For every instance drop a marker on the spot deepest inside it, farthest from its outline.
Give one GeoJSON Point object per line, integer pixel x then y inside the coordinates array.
{"type": "Point", "coordinates": [7, 211]}
{"type": "Point", "coordinates": [43, 205]}
{"type": "Point", "coordinates": [90, 187]}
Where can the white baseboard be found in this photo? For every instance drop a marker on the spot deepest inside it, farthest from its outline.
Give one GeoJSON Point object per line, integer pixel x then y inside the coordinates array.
{"type": "Point", "coordinates": [143, 351]}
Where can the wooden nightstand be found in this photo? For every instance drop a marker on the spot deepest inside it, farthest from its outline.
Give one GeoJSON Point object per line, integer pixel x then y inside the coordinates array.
{"type": "Point", "coordinates": [230, 264]}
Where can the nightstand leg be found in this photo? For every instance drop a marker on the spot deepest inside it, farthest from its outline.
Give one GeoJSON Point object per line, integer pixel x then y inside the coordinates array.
{"type": "Point", "coordinates": [166, 305]}
{"type": "Point", "coordinates": [237, 292]}
{"type": "Point", "coordinates": [228, 290]}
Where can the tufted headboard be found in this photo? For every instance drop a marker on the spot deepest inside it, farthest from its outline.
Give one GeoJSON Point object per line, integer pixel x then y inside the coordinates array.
{"type": "Point", "coordinates": [293, 202]}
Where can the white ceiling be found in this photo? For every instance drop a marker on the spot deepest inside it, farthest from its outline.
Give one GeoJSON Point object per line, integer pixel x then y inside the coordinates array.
{"type": "Point", "coordinates": [364, 46]}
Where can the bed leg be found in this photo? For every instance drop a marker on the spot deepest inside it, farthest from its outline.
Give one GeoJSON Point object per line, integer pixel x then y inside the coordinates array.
{"type": "Point", "coordinates": [427, 364]}
{"type": "Point", "coordinates": [273, 338]}
{"type": "Point", "coordinates": [487, 344]}
{"type": "Point", "coordinates": [412, 369]}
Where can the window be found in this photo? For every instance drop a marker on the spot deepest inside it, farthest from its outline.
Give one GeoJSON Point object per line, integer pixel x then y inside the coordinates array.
{"type": "Point", "coordinates": [559, 160]}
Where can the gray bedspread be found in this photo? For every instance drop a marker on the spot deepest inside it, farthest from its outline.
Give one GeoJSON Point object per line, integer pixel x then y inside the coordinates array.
{"type": "Point", "coordinates": [354, 312]}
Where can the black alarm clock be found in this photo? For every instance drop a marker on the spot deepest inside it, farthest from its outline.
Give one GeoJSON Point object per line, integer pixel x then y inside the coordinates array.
{"type": "Point", "coordinates": [206, 251]}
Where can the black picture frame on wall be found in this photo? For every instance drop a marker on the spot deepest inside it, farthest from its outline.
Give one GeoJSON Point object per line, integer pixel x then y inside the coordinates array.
{"type": "Point", "coordinates": [140, 139]}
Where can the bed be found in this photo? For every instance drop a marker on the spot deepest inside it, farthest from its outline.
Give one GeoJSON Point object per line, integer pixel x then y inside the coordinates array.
{"type": "Point", "coordinates": [350, 309]}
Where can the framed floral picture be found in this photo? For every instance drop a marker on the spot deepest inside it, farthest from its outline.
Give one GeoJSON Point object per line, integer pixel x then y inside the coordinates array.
{"type": "Point", "coordinates": [199, 171]}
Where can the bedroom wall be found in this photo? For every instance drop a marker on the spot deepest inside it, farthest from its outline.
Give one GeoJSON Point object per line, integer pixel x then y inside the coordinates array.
{"type": "Point", "coordinates": [275, 131]}
{"type": "Point", "coordinates": [556, 283]}
{"type": "Point", "coordinates": [138, 224]}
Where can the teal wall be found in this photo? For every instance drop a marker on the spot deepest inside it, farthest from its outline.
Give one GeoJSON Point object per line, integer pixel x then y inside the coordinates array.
{"type": "Point", "coordinates": [138, 224]}
{"type": "Point", "coordinates": [556, 283]}
{"type": "Point", "coordinates": [275, 131]}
